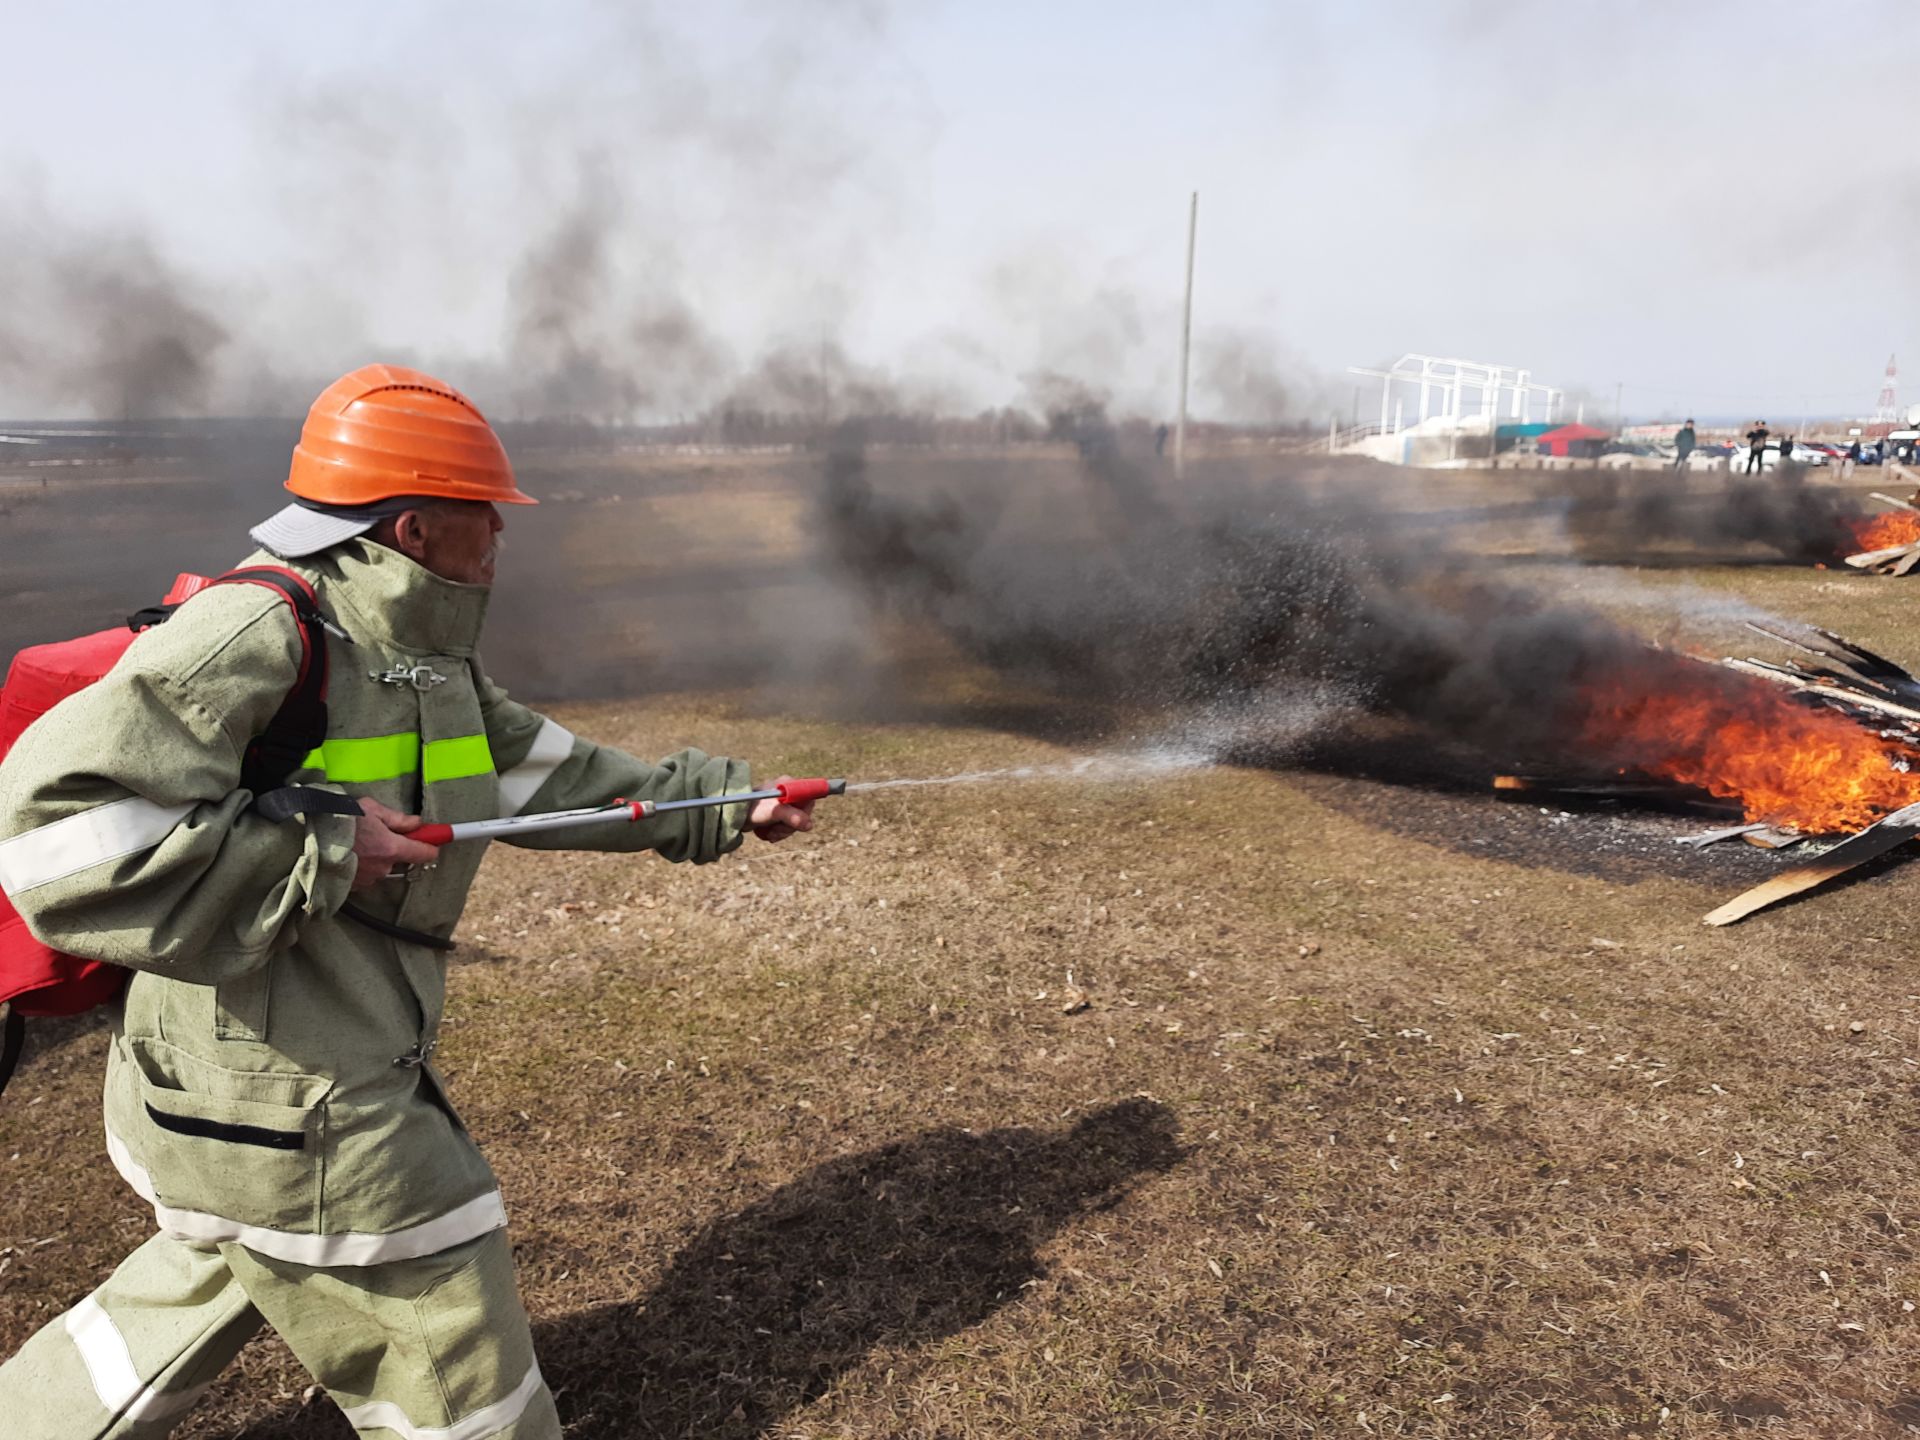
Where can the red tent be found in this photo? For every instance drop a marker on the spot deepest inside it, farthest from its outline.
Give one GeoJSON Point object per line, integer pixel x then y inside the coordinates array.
{"type": "Point", "coordinates": [1572, 440]}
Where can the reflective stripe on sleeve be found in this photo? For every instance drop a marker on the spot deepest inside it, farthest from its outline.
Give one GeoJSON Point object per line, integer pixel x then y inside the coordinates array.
{"type": "Point", "coordinates": [350, 1247]}
{"type": "Point", "coordinates": [92, 837]}
{"type": "Point", "coordinates": [116, 1383]}
{"type": "Point", "coordinates": [489, 1420]}
{"type": "Point", "coordinates": [551, 747]}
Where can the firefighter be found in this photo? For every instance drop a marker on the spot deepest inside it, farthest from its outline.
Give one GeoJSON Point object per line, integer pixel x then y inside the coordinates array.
{"type": "Point", "coordinates": [271, 1089]}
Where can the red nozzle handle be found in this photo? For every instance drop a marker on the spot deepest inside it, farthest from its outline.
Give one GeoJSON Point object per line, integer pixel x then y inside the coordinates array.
{"type": "Point", "coordinates": [792, 792]}
{"type": "Point", "coordinates": [432, 834]}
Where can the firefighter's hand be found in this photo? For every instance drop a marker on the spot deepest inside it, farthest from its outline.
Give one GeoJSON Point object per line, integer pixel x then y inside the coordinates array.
{"type": "Point", "coordinates": [773, 820]}
{"type": "Point", "coordinates": [380, 843]}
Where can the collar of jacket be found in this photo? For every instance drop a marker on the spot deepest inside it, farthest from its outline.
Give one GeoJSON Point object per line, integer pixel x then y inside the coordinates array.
{"type": "Point", "coordinates": [382, 598]}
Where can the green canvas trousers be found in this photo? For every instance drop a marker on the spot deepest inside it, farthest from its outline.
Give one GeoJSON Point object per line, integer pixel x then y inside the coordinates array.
{"type": "Point", "coordinates": [436, 1348]}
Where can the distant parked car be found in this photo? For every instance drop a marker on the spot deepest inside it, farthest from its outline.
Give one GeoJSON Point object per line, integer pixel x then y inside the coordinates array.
{"type": "Point", "coordinates": [1770, 456]}
{"type": "Point", "coordinates": [1619, 453]}
{"type": "Point", "coordinates": [1709, 457]}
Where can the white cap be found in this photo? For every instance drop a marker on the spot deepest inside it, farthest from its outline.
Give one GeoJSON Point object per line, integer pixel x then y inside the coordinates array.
{"type": "Point", "coordinates": [304, 528]}
{"type": "Point", "coordinates": [298, 531]}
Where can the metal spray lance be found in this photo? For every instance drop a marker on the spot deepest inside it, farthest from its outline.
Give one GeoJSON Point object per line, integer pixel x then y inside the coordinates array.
{"type": "Point", "coordinates": [620, 812]}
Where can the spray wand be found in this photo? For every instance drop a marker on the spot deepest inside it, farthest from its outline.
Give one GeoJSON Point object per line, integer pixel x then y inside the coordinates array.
{"type": "Point", "coordinates": [624, 812]}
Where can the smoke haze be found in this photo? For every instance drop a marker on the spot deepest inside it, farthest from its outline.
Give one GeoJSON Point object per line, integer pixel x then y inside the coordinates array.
{"type": "Point", "coordinates": [629, 212]}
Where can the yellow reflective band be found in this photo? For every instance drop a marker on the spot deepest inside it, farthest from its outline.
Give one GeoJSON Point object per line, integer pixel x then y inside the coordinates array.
{"type": "Point", "coordinates": [458, 758]}
{"type": "Point", "coordinates": [361, 762]}
{"type": "Point", "coordinates": [395, 757]}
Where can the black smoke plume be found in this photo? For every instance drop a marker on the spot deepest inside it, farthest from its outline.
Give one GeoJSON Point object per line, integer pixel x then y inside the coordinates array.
{"type": "Point", "coordinates": [1226, 599]}
{"type": "Point", "coordinates": [1622, 513]}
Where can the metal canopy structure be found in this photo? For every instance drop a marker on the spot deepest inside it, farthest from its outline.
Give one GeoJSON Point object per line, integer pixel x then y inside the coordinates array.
{"type": "Point", "coordinates": [1451, 381]}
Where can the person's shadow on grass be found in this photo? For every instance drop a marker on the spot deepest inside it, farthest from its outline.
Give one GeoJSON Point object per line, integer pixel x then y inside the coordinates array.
{"type": "Point", "coordinates": [765, 1308]}
{"type": "Point", "coordinates": [904, 1244]}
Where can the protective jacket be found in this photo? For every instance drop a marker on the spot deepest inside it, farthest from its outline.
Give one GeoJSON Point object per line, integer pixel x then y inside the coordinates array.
{"type": "Point", "coordinates": [270, 1081]}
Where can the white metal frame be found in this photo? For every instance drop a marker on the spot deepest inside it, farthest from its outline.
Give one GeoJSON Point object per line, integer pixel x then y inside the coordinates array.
{"type": "Point", "coordinates": [1450, 379]}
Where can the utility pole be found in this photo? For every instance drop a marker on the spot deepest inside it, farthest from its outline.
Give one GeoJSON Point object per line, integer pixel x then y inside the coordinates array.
{"type": "Point", "coordinates": [1186, 343]}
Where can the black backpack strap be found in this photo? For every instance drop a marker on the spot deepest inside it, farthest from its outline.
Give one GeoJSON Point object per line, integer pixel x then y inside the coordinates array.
{"type": "Point", "coordinates": [294, 800]}
{"type": "Point", "coordinates": [13, 1033]}
{"type": "Point", "coordinates": [300, 724]}
{"type": "Point", "coordinates": [153, 615]}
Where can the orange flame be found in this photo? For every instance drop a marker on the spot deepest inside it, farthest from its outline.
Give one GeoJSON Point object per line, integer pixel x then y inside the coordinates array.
{"type": "Point", "coordinates": [1744, 739]}
{"type": "Point", "coordinates": [1884, 532]}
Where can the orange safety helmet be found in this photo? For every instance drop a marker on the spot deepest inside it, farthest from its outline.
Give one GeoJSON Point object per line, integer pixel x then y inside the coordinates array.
{"type": "Point", "coordinates": [386, 431]}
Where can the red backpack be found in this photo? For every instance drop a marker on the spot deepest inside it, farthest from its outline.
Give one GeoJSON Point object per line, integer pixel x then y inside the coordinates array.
{"type": "Point", "coordinates": [38, 980]}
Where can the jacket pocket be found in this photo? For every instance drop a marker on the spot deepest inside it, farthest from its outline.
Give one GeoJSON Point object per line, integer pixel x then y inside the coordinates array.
{"type": "Point", "coordinates": [246, 1146]}
{"type": "Point", "coordinates": [233, 1131]}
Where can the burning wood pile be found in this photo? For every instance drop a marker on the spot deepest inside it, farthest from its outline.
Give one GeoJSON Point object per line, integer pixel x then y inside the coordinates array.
{"type": "Point", "coordinates": [1825, 748]}
{"type": "Point", "coordinates": [1890, 542]}
{"type": "Point", "coordinates": [1877, 695]}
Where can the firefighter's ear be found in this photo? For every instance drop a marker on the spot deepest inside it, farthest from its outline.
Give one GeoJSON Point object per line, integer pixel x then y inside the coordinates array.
{"type": "Point", "coordinates": [410, 535]}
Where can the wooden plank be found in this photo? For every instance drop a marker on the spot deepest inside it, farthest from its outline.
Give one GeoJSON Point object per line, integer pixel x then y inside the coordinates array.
{"type": "Point", "coordinates": [1515, 787]}
{"type": "Point", "coordinates": [1859, 665]}
{"type": "Point", "coordinates": [1789, 674]}
{"type": "Point", "coordinates": [1906, 562]}
{"type": "Point", "coordinates": [1666, 795]}
{"type": "Point", "coordinates": [1867, 559]}
{"type": "Point", "coordinates": [1816, 688]}
{"type": "Point", "coordinates": [1547, 787]}
{"type": "Point", "coordinates": [1897, 504]}
{"type": "Point", "coordinates": [1870, 844]}
{"type": "Point", "coordinates": [1869, 666]}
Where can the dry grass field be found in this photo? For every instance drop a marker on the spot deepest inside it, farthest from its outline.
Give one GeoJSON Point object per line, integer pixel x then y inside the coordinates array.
{"type": "Point", "coordinates": [1241, 1102]}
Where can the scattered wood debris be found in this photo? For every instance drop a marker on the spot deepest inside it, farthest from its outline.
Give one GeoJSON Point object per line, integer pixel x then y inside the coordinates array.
{"type": "Point", "coordinates": [1773, 837]}
{"type": "Point", "coordinates": [1730, 832]}
{"type": "Point", "coordinates": [1867, 688]}
{"type": "Point", "coordinates": [1871, 843]}
{"type": "Point", "coordinates": [1760, 833]}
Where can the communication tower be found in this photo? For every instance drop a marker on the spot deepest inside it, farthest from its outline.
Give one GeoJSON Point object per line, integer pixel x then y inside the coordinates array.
{"type": "Point", "coordinates": [1884, 411]}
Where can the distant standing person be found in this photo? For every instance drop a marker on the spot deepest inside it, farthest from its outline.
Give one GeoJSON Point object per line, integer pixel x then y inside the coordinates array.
{"type": "Point", "coordinates": [1757, 446]}
{"type": "Point", "coordinates": [1786, 449]}
{"type": "Point", "coordinates": [1683, 443]}
{"type": "Point", "coordinates": [1852, 459]}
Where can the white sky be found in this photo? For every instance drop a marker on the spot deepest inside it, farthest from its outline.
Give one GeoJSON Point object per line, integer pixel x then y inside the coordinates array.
{"type": "Point", "coordinates": [1711, 201]}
